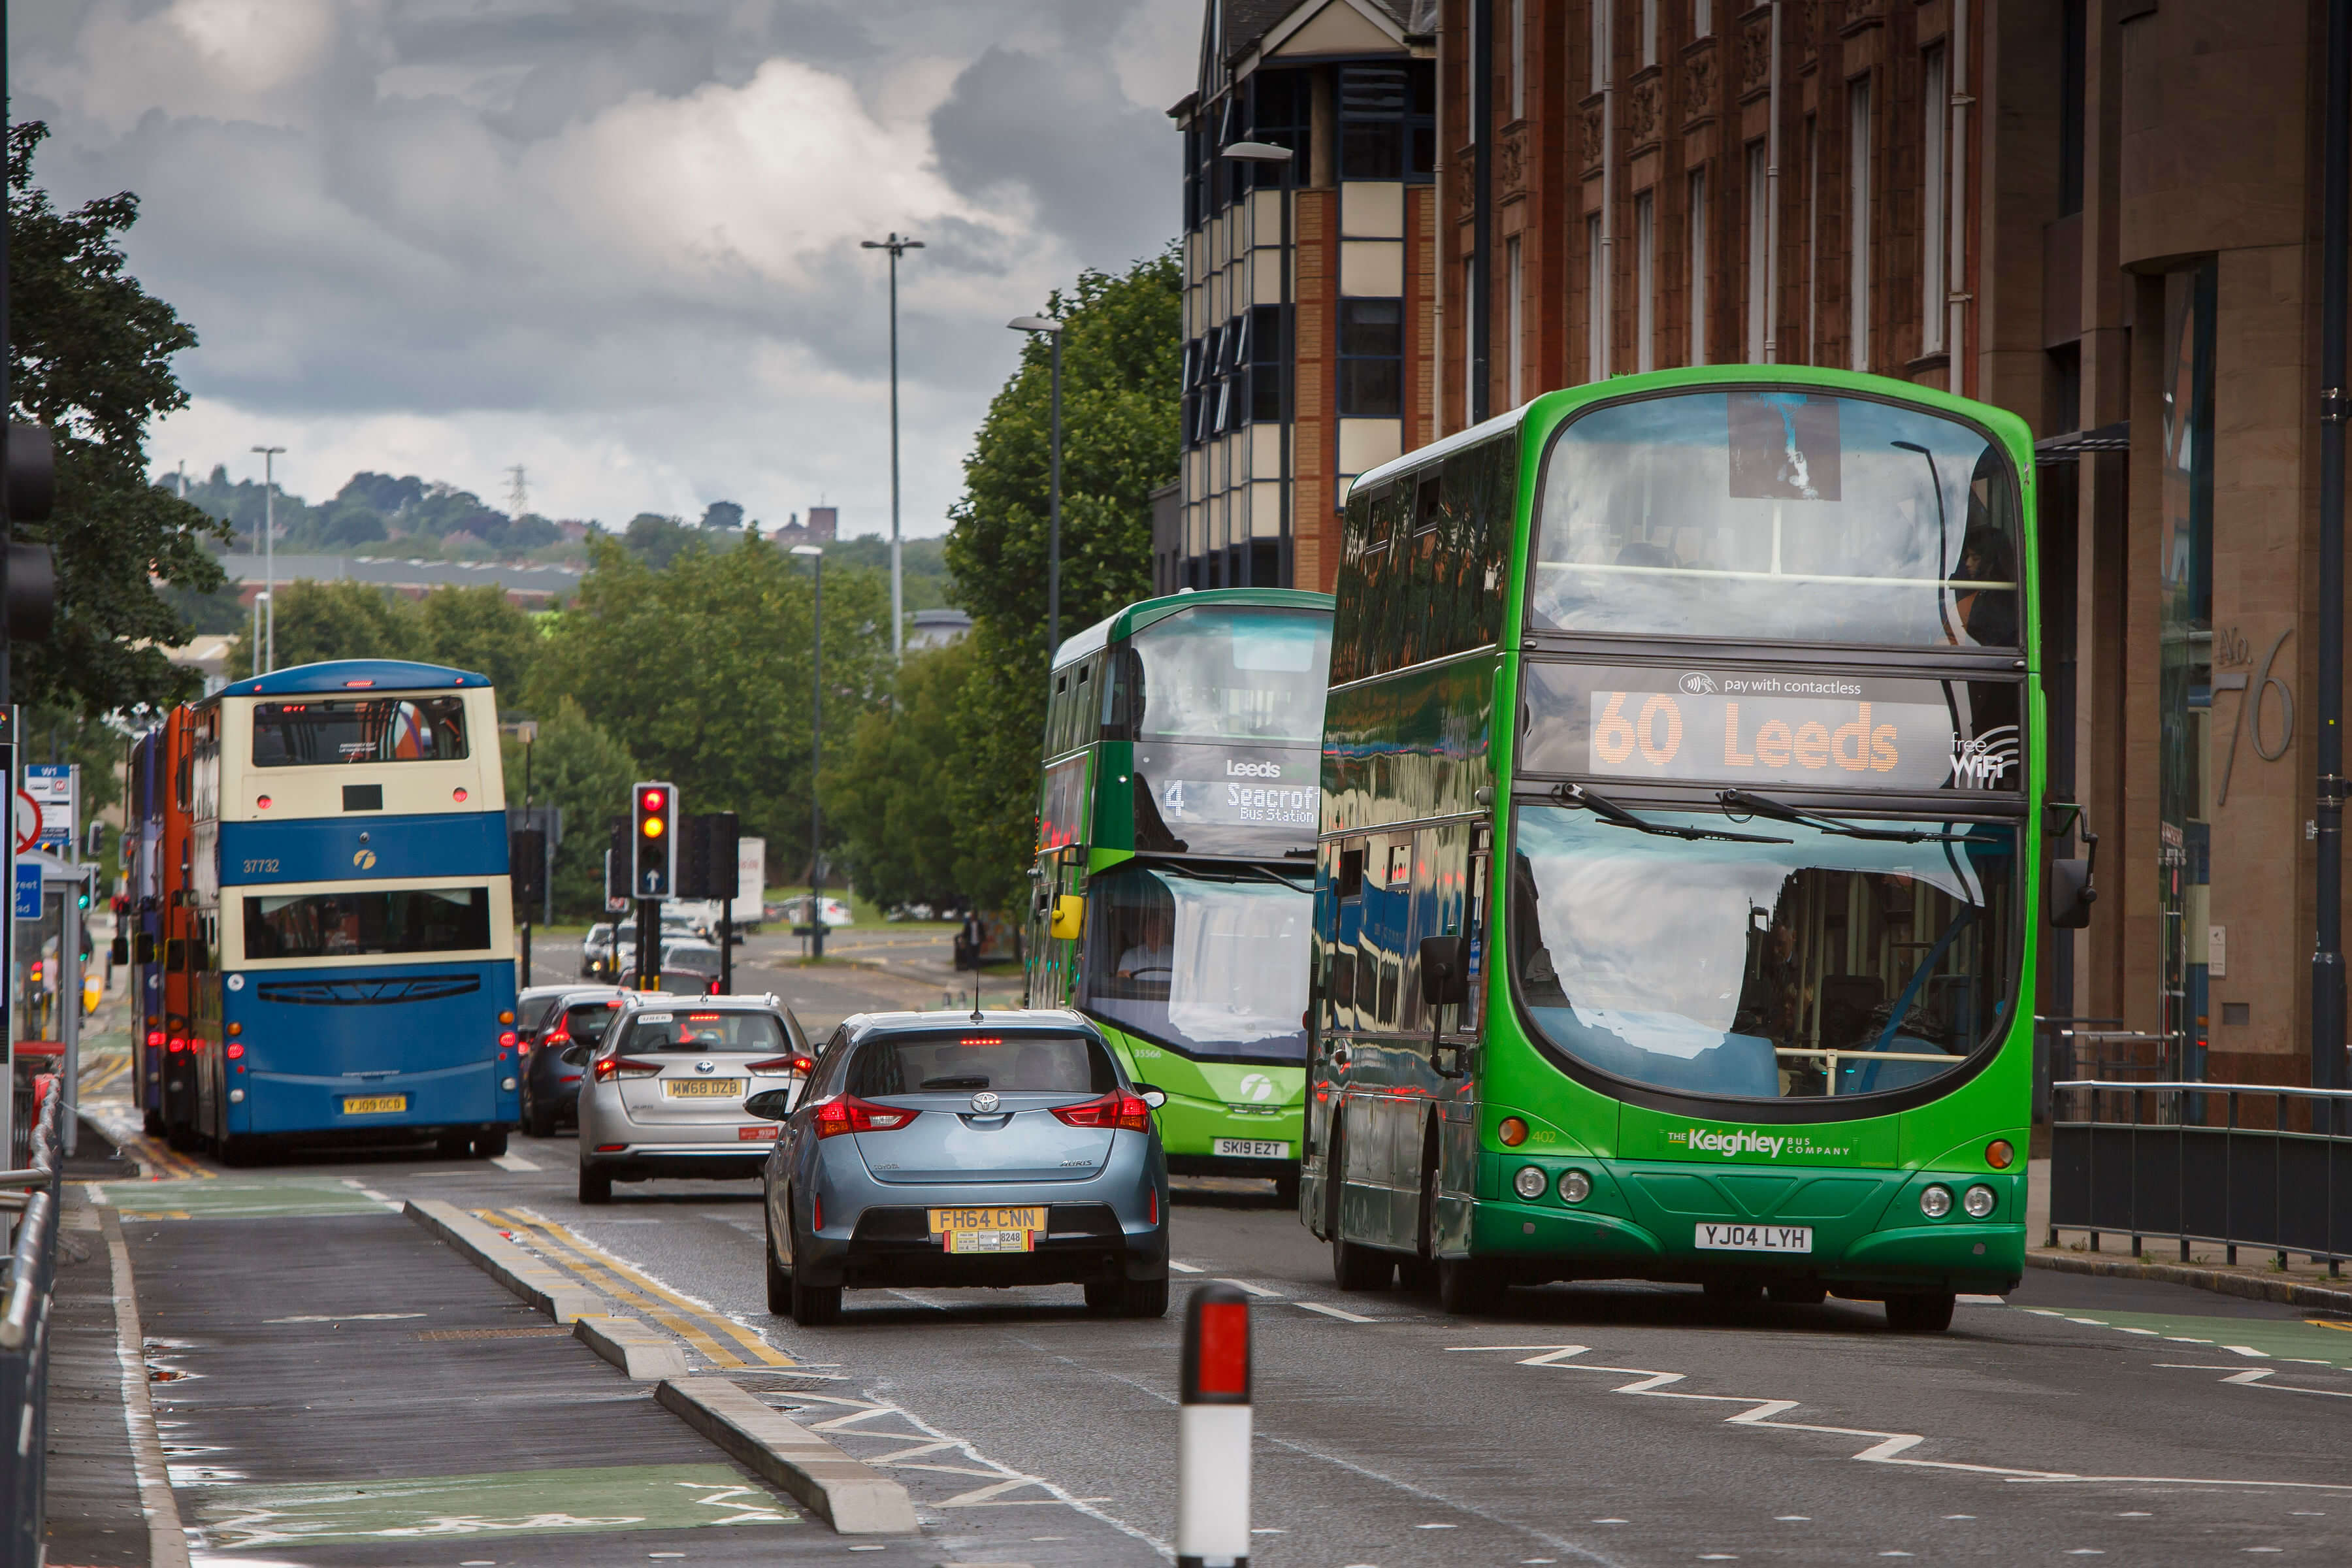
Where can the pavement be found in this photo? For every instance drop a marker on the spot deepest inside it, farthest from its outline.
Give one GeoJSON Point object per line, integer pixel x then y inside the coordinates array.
{"type": "Point", "coordinates": [332, 1384]}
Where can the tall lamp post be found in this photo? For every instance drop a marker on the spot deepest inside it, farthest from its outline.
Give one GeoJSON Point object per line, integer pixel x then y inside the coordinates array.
{"type": "Point", "coordinates": [896, 245]}
{"type": "Point", "coordinates": [1052, 331]}
{"type": "Point", "coordinates": [1267, 154]}
{"type": "Point", "coordinates": [261, 610]}
{"type": "Point", "coordinates": [816, 753]}
{"type": "Point", "coordinates": [268, 558]}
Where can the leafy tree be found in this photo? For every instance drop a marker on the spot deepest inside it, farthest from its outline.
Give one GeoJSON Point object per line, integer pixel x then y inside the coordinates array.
{"type": "Point", "coordinates": [586, 774]}
{"type": "Point", "coordinates": [656, 540]}
{"type": "Point", "coordinates": [334, 620]}
{"type": "Point", "coordinates": [723, 514]}
{"type": "Point", "coordinates": [90, 354]}
{"type": "Point", "coordinates": [702, 670]}
{"type": "Point", "coordinates": [886, 791]}
{"type": "Point", "coordinates": [478, 629]}
{"type": "Point", "coordinates": [1122, 347]}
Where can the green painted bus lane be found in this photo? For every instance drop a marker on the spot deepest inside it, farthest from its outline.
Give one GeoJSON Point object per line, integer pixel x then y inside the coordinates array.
{"type": "Point", "coordinates": [2247, 1340]}
{"type": "Point", "coordinates": [241, 1517]}
{"type": "Point", "coordinates": [243, 1198]}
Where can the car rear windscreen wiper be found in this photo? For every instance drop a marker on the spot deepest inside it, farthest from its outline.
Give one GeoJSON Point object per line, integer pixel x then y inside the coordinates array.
{"type": "Point", "coordinates": [969, 1081]}
{"type": "Point", "coordinates": [1781, 811]}
{"type": "Point", "coordinates": [1609, 810]}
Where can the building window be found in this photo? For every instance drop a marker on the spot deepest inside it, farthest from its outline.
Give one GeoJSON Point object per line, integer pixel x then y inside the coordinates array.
{"type": "Point", "coordinates": [1649, 32]}
{"type": "Point", "coordinates": [1517, 325]}
{"type": "Point", "coordinates": [1857, 103]}
{"type": "Point", "coordinates": [1269, 364]}
{"type": "Point", "coordinates": [1371, 359]}
{"type": "Point", "coordinates": [1388, 121]}
{"type": "Point", "coordinates": [1702, 18]}
{"type": "Point", "coordinates": [1518, 60]}
{"type": "Point", "coordinates": [1645, 280]}
{"type": "Point", "coordinates": [1596, 331]}
{"type": "Point", "coordinates": [1697, 352]}
{"type": "Point", "coordinates": [1932, 290]}
{"type": "Point", "coordinates": [1281, 110]}
{"type": "Point", "coordinates": [1757, 200]}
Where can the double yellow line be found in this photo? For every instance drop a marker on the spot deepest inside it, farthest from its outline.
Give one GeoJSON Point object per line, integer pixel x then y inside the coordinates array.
{"type": "Point", "coordinates": [161, 1163]}
{"type": "Point", "coordinates": [697, 1326]}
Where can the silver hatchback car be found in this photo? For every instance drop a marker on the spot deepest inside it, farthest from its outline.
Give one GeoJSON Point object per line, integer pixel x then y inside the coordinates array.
{"type": "Point", "coordinates": [665, 1088]}
{"type": "Point", "coordinates": [998, 1149]}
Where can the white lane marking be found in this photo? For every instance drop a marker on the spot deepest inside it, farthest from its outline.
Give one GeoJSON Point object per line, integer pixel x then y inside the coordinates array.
{"type": "Point", "coordinates": [1184, 1268]}
{"type": "Point", "coordinates": [2255, 1377]}
{"type": "Point", "coordinates": [1258, 1290]}
{"type": "Point", "coordinates": [1889, 1449]}
{"type": "Point", "coordinates": [514, 1163]}
{"type": "Point", "coordinates": [1344, 1317]}
{"type": "Point", "coordinates": [1983, 1300]}
{"type": "Point", "coordinates": [2248, 1350]}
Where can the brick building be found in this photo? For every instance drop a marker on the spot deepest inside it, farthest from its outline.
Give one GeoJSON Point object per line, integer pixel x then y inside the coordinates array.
{"type": "Point", "coordinates": [2102, 214]}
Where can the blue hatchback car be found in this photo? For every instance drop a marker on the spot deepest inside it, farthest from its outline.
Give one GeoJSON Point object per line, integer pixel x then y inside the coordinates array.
{"type": "Point", "coordinates": [946, 1150]}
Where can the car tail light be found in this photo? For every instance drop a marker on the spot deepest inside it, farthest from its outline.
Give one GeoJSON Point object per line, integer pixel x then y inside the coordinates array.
{"type": "Point", "coordinates": [799, 1066]}
{"type": "Point", "coordinates": [847, 1113]}
{"type": "Point", "coordinates": [1120, 1110]}
{"type": "Point", "coordinates": [612, 1068]}
{"type": "Point", "coordinates": [816, 1211]}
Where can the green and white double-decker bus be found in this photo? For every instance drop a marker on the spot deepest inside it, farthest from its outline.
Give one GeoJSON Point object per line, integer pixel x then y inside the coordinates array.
{"type": "Point", "coordinates": [1176, 857]}
{"type": "Point", "coordinates": [1679, 844]}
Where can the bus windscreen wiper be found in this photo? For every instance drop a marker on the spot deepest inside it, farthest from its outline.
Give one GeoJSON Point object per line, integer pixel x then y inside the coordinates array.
{"type": "Point", "coordinates": [1781, 811]}
{"type": "Point", "coordinates": [1609, 810]}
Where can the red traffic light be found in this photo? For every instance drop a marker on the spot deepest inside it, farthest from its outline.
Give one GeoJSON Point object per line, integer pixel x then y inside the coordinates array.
{"type": "Point", "coordinates": [654, 799]}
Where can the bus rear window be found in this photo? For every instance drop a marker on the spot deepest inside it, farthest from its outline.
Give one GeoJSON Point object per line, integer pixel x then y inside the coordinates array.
{"type": "Point", "coordinates": [357, 922]}
{"type": "Point", "coordinates": [966, 1061]}
{"type": "Point", "coordinates": [358, 730]}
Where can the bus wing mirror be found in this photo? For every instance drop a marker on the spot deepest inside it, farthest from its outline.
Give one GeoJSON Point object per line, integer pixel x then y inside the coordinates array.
{"type": "Point", "coordinates": [2071, 894]}
{"type": "Point", "coordinates": [1444, 969]}
{"type": "Point", "coordinates": [1069, 916]}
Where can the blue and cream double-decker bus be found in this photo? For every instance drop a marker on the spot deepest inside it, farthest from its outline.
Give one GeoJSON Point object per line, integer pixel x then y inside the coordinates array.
{"type": "Point", "coordinates": [350, 951]}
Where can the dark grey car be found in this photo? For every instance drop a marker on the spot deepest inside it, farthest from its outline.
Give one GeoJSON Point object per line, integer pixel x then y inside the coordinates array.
{"type": "Point", "coordinates": [570, 1016]}
{"type": "Point", "coordinates": [946, 1150]}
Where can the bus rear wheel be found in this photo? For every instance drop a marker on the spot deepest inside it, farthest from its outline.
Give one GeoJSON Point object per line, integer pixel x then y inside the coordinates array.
{"type": "Point", "coordinates": [490, 1145]}
{"type": "Point", "coordinates": [1922, 1315]}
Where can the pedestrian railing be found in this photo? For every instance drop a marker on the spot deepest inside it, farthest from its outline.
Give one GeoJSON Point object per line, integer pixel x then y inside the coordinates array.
{"type": "Point", "coordinates": [29, 1198]}
{"type": "Point", "coordinates": [2240, 1164]}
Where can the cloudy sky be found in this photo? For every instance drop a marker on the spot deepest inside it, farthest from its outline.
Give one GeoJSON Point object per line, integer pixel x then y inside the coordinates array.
{"type": "Point", "coordinates": [614, 241]}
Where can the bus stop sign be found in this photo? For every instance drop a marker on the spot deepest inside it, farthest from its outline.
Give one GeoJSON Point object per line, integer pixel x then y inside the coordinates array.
{"type": "Point", "coordinates": [28, 892]}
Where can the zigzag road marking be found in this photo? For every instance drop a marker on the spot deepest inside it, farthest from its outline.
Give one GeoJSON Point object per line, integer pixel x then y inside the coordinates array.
{"type": "Point", "coordinates": [1889, 1448]}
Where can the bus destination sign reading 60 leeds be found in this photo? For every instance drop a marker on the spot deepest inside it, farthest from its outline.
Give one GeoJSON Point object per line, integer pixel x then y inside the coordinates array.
{"type": "Point", "coordinates": [1826, 731]}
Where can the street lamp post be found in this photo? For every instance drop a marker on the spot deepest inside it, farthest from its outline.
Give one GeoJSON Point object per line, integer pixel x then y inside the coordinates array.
{"type": "Point", "coordinates": [896, 245]}
{"type": "Point", "coordinates": [1052, 331]}
{"type": "Point", "coordinates": [268, 558]}
{"type": "Point", "coordinates": [816, 753]}
{"type": "Point", "coordinates": [260, 610]}
{"type": "Point", "coordinates": [1266, 155]}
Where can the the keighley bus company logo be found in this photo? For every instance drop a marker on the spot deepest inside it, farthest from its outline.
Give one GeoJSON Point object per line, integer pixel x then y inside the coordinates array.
{"type": "Point", "coordinates": [1748, 1142]}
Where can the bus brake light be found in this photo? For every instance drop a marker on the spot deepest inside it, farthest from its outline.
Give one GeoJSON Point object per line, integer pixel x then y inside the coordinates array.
{"type": "Point", "coordinates": [236, 1050]}
{"type": "Point", "coordinates": [178, 1045]}
{"type": "Point", "coordinates": [154, 1039]}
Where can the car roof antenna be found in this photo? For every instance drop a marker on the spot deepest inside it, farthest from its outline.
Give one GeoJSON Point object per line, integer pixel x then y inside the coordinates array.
{"type": "Point", "coordinates": [976, 999]}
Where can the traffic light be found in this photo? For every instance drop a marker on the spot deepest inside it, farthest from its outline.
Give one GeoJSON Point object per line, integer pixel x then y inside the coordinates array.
{"type": "Point", "coordinates": [707, 860]}
{"type": "Point", "coordinates": [527, 866]}
{"type": "Point", "coordinates": [654, 812]}
{"type": "Point", "coordinates": [616, 864]}
{"type": "Point", "coordinates": [28, 485]}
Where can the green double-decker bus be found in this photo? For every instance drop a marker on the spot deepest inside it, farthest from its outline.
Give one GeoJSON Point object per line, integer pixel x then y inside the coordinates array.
{"type": "Point", "coordinates": [1681, 768]}
{"type": "Point", "coordinates": [1176, 857]}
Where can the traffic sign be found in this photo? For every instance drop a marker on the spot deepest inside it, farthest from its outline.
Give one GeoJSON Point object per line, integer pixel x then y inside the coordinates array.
{"type": "Point", "coordinates": [27, 826]}
{"type": "Point", "coordinates": [28, 893]}
{"type": "Point", "coordinates": [56, 787]}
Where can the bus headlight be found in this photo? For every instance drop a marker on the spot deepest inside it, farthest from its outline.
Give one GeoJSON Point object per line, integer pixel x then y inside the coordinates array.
{"type": "Point", "coordinates": [1978, 1201]}
{"type": "Point", "coordinates": [1575, 1187]}
{"type": "Point", "coordinates": [1935, 1202]}
{"type": "Point", "coordinates": [1529, 1182]}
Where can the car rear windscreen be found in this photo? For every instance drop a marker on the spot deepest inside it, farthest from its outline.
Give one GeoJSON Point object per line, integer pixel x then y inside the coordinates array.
{"type": "Point", "coordinates": [588, 1021]}
{"type": "Point", "coordinates": [736, 1030]}
{"type": "Point", "coordinates": [965, 1062]}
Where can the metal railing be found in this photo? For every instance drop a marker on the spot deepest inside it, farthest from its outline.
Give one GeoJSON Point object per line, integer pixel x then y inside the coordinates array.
{"type": "Point", "coordinates": [29, 1198]}
{"type": "Point", "coordinates": [2243, 1164]}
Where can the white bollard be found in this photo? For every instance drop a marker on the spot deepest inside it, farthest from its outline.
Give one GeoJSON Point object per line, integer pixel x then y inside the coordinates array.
{"type": "Point", "coordinates": [1212, 1433]}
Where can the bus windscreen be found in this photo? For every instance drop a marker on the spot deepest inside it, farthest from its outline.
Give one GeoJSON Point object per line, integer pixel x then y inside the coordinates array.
{"type": "Point", "coordinates": [1236, 674]}
{"type": "Point", "coordinates": [1781, 514]}
{"type": "Point", "coordinates": [317, 731]}
{"type": "Point", "coordinates": [356, 923]}
{"type": "Point", "coordinates": [1210, 966]}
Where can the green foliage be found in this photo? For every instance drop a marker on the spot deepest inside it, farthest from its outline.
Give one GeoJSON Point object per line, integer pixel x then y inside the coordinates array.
{"type": "Point", "coordinates": [886, 792]}
{"type": "Point", "coordinates": [991, 785]}
{"type": "Point", "coordinates": [468, 628]}
{"type": "Point", "coordinates": [586, 774]}
{"type": "Point", "coordinates": [90, 357]}
{"type": "Point", "coordinates": [54, 733]}
{"type": "Point", "coordinates": [923, 579]}
{"type": "Point", "coordinates": [702, 669]}
{"type": "Point", "coordinates": [656, 540]}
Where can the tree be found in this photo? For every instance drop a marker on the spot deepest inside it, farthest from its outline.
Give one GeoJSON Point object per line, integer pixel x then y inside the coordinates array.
{"type": "Point", "coordinates": [656, 540]}
{"type": "Point", "coordinates": [1122, 348]}
{"type": "Point", "coordinates": [722, 514]}
{"type": "Point", "coordinates": [90, 357]}
{"type": "Point", "coordinates": [586, 774]}
{"type": "Point", "coordinates": [479, 629]}
{"type": "Point", "coordinates": [334, 620]}
{"type": "Point", "coordinates": [702, 670]}
{"type": "Point", "coordinates": [888, 790]}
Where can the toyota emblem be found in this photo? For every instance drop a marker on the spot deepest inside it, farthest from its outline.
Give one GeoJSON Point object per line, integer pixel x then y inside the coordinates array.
{"type": "Point", "coordinates": [986, 1101]}
{"type": "Point", "coordinates": [706, 1066]}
